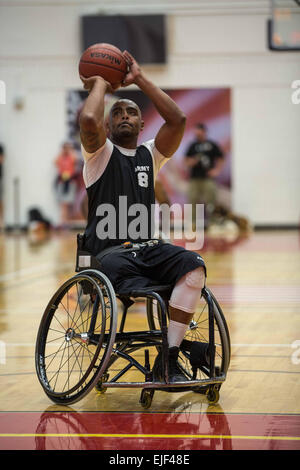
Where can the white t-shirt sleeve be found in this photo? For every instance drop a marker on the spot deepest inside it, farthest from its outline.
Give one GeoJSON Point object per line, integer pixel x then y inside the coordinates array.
{"type": "Point", "coordinates": [158, 159]}
{"type": "Point", "coordinates": [95, 163]}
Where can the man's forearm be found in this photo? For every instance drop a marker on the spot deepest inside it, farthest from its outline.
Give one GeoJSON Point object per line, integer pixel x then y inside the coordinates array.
{"type": "Point", "coordinates": [92, 113]}
{"type": "Point", "coordinates": [166, 107]}
{"type": "Point", "coordinates": [91, 120]}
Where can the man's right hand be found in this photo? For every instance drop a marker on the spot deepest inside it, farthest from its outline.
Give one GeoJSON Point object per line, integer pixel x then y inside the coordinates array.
{"type": "Point", "coordinates": [134, 71]}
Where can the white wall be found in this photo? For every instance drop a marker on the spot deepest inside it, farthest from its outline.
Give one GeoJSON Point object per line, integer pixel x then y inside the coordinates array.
{"type": "Point", "coordinates": [215, 43]}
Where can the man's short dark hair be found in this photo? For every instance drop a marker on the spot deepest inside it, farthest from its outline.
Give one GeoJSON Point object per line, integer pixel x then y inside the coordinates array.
{"type": "Point", "coordinates": [201, 125]}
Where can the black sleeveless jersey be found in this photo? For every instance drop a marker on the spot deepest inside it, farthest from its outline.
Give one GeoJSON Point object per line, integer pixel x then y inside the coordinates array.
{"type": "Point", "coordinates": [121, 201]}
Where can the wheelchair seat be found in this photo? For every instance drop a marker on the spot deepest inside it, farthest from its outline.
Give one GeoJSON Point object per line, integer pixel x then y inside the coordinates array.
{"type": "Point", "coordinates": [85, 260]}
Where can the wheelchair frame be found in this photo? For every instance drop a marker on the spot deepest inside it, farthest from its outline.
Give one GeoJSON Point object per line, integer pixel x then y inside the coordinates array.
{"type": "Point", "coordinates": [121, 344]}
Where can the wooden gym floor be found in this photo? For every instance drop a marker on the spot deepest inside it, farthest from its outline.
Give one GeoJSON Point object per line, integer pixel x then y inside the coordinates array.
{"type": "Point", "coordinates": [257, 282]}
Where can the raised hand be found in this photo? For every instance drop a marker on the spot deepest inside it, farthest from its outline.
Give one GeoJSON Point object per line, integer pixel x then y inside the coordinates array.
{"type": "Point", "coordinates": [134, 69]}
{"type": "Point", "coordinates": [88, 83]}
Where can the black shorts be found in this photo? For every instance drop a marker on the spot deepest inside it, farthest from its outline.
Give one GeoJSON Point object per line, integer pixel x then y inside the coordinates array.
{"type": "Point", "coordinates": [150, 266]}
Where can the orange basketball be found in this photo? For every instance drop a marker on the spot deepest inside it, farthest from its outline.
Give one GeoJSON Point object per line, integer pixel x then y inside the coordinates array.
{"type": "Point", "coordinates": [104, 60]}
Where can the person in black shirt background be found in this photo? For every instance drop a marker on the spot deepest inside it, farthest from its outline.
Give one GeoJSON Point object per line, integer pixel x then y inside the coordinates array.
{"type": "Point", "coordinates": [205, 160]}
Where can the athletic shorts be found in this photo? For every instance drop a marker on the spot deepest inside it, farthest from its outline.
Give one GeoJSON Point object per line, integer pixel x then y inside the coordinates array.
{"type": "Point", "coordinates": [150, 266]}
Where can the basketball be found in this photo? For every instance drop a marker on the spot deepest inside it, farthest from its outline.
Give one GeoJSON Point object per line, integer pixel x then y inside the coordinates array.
{"type": "Point", "coordinates": [104, 60]}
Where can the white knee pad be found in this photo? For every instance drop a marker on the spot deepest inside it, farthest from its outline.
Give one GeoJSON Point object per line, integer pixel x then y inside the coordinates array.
{"type": "Point", "coordinates": [187, 290]}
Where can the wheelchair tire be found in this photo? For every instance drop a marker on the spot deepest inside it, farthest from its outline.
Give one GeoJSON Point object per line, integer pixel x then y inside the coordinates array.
{"type": "Point", "coordinates": [198, 330]}
{"type": "Point", "coordinates": [76, 336]}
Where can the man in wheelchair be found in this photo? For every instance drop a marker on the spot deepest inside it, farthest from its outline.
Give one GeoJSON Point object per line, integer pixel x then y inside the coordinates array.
{"type": "Point", "coordinates": [117, 171]}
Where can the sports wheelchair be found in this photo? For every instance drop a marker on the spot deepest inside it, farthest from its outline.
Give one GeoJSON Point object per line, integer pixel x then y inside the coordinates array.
{"type": "Point", "coordinates": [82, 344]}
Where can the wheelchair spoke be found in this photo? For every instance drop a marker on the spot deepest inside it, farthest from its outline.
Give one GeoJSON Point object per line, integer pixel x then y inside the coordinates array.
{"type": "Point", "coordinates": [85, 320]}
{"type": "Point", "coordinates": [57, 338]}
{"type": "Point", "coordinates": [67, 312]}
{"type": "Point", "coordinates": [84, 348]}
{"type": "Point", "coordinates": [54, 356]}
{"type": "Point", "coordinates": [58, 321]}
{"type": "Point", "coordinates": [80, 315]}
{"type": "Point", "coordinates": [70, 371]}
{"type": "Point", "coordinates": [56, 374]}
{"type": "Point", "coordinates": [77, 359]}
{"type": "Point", "coordinates": [59, 371]}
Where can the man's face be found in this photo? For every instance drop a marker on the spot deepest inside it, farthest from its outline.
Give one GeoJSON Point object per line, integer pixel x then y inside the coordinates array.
{"type": "Point", "coordinates": [125, 120]}
{"type": "Point", "coordinates": [200, 134]}
{"type": "Point", "coordinates": [67, 148]}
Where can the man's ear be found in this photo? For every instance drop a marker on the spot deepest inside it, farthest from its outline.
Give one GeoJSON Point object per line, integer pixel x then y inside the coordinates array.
{"type": "Point", "coordinates": [142, 125]}
{"type": "Point", "coordinates": [106, 125]}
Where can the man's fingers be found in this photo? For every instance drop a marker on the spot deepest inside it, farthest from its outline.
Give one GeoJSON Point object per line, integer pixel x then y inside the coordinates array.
{"type": "Point", "coordinates": [88, 82]}
{"type": "Point", "coordinates": [128, 57]}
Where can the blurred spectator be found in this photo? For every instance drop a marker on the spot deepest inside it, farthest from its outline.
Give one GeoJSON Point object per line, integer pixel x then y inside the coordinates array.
{"type": "Point", "coordinates": [38, 226]}
{"type": "Point", "coordinates": [205, 160]}
{"type": "Point", "coordinates": [1, 185]}
{"type": "Point", "coordinates": [65, 184]}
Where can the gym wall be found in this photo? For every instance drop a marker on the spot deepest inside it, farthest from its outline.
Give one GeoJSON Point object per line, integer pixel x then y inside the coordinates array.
{"type": "Point", "coordinates": [210, 44]}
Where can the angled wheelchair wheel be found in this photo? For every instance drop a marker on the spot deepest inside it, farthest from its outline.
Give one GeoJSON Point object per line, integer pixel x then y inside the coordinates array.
{"type": "Point", "coordinates": [198, 330]}
{"type": "Point", "coordinates": [76, 337]}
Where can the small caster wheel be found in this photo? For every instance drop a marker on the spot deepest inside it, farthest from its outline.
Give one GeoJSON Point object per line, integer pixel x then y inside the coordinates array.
{"type": "Point", "coordinates": [99, 385]}
{"type": "Point", "coordinates": [146, 398]}
{"type": "Point", "coordinates": [213, 395]}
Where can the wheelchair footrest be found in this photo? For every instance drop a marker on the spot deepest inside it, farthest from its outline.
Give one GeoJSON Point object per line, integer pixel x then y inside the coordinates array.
{"type": "Point", "coordinates": [163, 385]}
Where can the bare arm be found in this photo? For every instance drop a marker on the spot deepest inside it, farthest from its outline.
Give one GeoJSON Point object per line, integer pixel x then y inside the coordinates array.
{"type": "Point", "coordinates": [170, 134]}
{"type": "Point", "coordinates": [191, 161]}
{"type": "Point", "coordinates": [91, 120]}
{"type": "Point", "coordinates": [214, 172]}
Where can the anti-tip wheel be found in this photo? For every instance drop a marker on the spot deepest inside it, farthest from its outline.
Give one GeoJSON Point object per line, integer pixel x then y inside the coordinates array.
{"type": "Point", "coordinates": [146, 398]}
{"type": "Point", "coordinates": [213, 395]}
{"type": "Point", "coordinates": [100, 387]}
